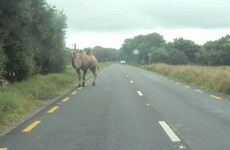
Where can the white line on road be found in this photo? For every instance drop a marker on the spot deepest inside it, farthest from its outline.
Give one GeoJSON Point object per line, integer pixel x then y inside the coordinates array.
{"type": "Point", "coordinates": [169, 131]}
{"type": "Point", "coordinates": [131, 81]}
{"type": "Point", "coordinates": [139, 93]}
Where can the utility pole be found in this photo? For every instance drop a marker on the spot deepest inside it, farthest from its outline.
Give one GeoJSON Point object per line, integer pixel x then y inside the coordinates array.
{"type": "Point", "coordinates": [149, 54]}
{"type": "Point", "coordinates": [75, 46]}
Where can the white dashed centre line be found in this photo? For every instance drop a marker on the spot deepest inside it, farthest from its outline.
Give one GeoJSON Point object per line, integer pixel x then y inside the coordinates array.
{"type": "Point", "coordinates": [131, 81]}
{"type": "Point", "coordinates": [169, 131]}
{"type": "Point", "coordinates": [139, 93]}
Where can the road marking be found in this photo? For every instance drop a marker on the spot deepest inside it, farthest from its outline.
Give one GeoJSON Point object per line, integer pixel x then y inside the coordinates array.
{"type": "Point", "coordinates": [187, 86]}
{"type": "Point", "coordinates": [131, 81]}
{"type": "Point", "coordinates": [139, 93]}
{"type": "Point", "coordinates": [80, 87]}
{"type": "Point", "coordinates": [169, 131]}
{"type": "Point", "coordinates": [147, 104]}
{"type": "Point", "coordinates": [66, 99]}
{"type": "Point", "coordinates": [171, 80]}
{"type": "Point", "coordinates": [53, 109]}
{"type": "Point", "coordinates": [198, 91]}
{"type": "Point", "coordinates": [127, 76]}
{"type": "Point", "coordinates": [216, 97]}
{"type": "Point", "coordinates": [178, 83]}
{"type": "Point", "coordinates": [75, 92]}
{"type": "Point", "coordinates": [3, 148]}
{"type": "Point", "coordinates": [30, 127]}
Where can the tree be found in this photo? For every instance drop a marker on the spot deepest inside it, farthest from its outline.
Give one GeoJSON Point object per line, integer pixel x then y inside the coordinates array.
{"type": "Point", "coordinates": [159, 55]}
{"type": "Point", "coordinates": [31, 38]}
{"type": "Point", "coordinates": [186, 46]}
{"type": "Point", "coordinates": [49, 31]}
{"type": "Point", "coordinates": [105, 54]}
{"type": "Point", "coordinates": [142, 43]}
{"type": "Point", "coordinates": [17, 45]}
{"type": "Point", "coordinates": [177, 57]}
{"type": "Point", "coordinates": [215, 52]}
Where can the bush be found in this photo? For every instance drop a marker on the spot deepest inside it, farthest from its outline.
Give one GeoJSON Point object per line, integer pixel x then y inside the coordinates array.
{"type": "Point", "coordinates": [8, 102]}
{"type": "Point", "coordinates": [2, 64]}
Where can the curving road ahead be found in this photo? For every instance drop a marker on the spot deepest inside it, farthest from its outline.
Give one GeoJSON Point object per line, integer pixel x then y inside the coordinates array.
{"type": "Point", "coordinates": [128, 109]}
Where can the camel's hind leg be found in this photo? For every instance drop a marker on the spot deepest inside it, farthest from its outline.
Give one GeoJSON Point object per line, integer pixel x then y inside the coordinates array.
{"type": "Point", "coordinates": [93, 70]}
{"type": "Point", "coordinates": [84, 73]}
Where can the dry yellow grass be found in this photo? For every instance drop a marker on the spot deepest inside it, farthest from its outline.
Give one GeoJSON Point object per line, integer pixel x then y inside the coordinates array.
{"type": "Point", "coordinates": [212, 78]}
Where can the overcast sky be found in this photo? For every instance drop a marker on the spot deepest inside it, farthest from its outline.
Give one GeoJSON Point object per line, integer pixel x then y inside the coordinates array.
{"type": "Point", "coordinates": [108, 23]}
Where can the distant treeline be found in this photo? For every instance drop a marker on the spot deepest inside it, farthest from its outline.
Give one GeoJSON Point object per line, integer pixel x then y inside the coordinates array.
{"type": "Point", "coordinates": [106, 54]}
{"type": "Point", "coordinates": [152, 48]}
{"type": "Point", "coordinates": [31, 39]}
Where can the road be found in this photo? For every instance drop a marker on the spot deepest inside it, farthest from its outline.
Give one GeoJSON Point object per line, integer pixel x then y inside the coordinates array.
{"type": "Point", "coordinates": [128, 109]}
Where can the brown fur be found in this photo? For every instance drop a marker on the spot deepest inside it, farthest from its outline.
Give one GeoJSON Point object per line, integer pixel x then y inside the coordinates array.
{"type": "Point", "coordinates": [84, 61]}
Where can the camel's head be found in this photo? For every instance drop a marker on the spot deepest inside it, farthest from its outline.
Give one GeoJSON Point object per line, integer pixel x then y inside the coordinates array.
{"type": "Point", "coordinates": [77, 59]}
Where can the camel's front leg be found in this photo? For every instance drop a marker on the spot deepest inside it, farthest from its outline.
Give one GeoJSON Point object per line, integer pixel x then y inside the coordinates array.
{"type": "Point", "coordinates": [79, 78]}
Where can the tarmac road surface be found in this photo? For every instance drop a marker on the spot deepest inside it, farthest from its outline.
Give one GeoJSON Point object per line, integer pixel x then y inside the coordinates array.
{"type": "Point", "coordinates": [128, 109]}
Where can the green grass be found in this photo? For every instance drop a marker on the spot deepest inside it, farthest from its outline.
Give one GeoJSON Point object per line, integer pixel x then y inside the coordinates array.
{"type": "Point", "coordinates": [20, 98]}
{"type": "Point", "coordinates": [211, 78]}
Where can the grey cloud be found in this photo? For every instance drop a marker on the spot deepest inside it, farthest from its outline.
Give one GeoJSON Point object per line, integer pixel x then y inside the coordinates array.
{"type": "Point", "coordinates": [120, 15]}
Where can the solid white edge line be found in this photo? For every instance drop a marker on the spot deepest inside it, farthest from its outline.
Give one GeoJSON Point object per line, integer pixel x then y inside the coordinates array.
{"type": "Point", "coordinates": [169, 131]}
{"type": "Point", "coordinates": [139, 93]}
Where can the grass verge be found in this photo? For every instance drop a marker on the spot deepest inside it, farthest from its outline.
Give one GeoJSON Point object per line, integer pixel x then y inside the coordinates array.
{"type": "Point", "coordinates": [210, 78]}
{"type": "Point", "coordinates": [20, 98]}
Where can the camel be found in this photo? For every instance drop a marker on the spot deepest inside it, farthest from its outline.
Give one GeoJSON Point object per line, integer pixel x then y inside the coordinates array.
{"type": "Point", "coordinates": [82, 60]}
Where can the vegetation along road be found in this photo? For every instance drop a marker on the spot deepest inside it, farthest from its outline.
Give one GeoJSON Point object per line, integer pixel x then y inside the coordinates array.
{"type": "Point", "coordinates": [129, 109]}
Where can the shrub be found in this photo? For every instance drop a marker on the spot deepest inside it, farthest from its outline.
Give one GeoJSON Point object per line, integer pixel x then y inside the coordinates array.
{"type": "Point", "coordinates": [8, 102]}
